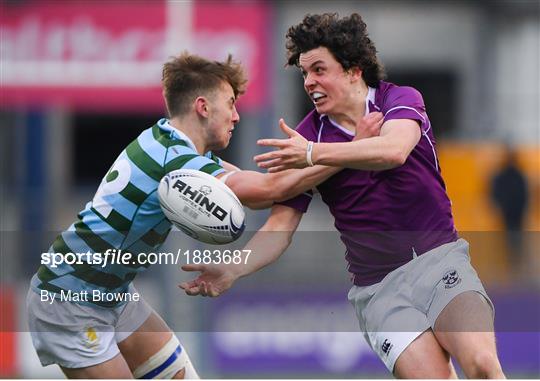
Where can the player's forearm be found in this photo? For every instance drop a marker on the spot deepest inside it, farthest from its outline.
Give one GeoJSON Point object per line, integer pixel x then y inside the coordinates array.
{"type": "Point", "coordinates": [291, 183]}
{"type": "Point", "coordinates": [258, 191]}
{"type": "Point", "coordinates": [265, 248]}
{"type": "Point", "coordinates": [251, 189]}
{"type": "Point", "coordinates": [375, 153]}
{"type": "Point", "coordinates": [271, 240]}
{"type": "Point", "coordinates": [389, 150]}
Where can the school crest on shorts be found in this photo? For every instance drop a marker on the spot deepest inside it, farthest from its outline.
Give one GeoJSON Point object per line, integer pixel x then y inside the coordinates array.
{"type": "Point", "coordinates": [451, 278]}
{"type": "Point", "coordinates": [91, 338]}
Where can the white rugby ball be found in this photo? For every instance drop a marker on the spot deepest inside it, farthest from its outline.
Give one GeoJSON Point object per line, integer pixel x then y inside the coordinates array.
{"type": "Point", "coordinates": [201, 206]}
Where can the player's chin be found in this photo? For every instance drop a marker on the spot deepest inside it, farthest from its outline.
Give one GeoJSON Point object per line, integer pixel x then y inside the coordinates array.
{"type": "Point", "coordinates": [224, 143]}
{"type": "Point", "coordinates": [322, 108]}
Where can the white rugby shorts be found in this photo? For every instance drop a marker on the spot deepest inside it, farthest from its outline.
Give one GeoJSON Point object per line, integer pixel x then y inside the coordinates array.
{"type": "Point", "coordinates": [76, 336]}
{"type": "Point", "coordinates": [407, 302]}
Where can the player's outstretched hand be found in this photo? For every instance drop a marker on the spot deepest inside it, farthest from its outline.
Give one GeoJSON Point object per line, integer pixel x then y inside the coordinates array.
{"type": "Point", "coordinates": [291, 152]}
{"type": "Point", "coordinates": [369, 126]}
{"type": "Point", "coordinates": [212, 281]}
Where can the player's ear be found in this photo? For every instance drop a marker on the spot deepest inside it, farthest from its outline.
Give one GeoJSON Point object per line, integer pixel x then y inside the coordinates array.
{"type": "Point", "coordinates": [201, 106]}
{"type": "Point", "coordinates": [355, 73]}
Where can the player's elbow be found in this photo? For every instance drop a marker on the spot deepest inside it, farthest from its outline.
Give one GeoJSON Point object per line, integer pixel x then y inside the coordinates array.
{"type": "Point", "coordinates": [255, 196]}
{"type": "Point", "coordinates": [398, 157]}
{"type": "Point", "coordinates": [392, 159]}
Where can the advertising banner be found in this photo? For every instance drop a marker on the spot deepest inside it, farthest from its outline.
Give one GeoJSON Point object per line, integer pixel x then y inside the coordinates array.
{"type": "Point", "coordinates": [109, 55]}
{"type": "Point", "coordinates": [316, 333]}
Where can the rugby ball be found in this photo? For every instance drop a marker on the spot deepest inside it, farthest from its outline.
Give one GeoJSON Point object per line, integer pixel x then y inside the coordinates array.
{"type": "Point", "coordinates": [201, 206]}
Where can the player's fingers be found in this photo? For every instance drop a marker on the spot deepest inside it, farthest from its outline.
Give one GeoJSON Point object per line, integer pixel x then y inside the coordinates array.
{"type": "Point", "coordinates": [279, 168]}
{"type": "Point", "coordinates": [184, 285]}
{"type": "Point", "coordinates": [286, 129]}
{"type": "Point", "coordinates": [193, 291]}
{"type": "Point", "coordinates": [189, 284]}
{"type": "Point", "coordinates": [374, 115]}
{"type": "Point", "coordinates": [203, 288]}
{"type": "Point", "coordinates": [192, 267]}
{"type": "Point", "coordinates": [371, 120]}
{"type": "Point", "coordinates": [210, 290]}
{"type": "Point", "coordinates": [270, 163]}
{"type": "Point", "coordinates": [267, 156]}
{"type": "Point", "coordinates": [379, 121]}
{"type": "Point", "coordinates": [273, 142]}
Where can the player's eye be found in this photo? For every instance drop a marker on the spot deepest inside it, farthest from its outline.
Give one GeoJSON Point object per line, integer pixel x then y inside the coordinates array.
{"type": "Point", "coordinates": [304, 73]}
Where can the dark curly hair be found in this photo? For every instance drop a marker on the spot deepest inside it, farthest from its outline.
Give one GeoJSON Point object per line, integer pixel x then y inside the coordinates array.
{"type": "Point", "coordinates": [188, 76]}
{"type": "Point", "coordinates": [345, 38]}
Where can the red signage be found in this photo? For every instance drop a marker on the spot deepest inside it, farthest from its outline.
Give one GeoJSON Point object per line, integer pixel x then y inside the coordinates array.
{"type": "Point", "coordinates": [109, 55]}
{"type": "Point", "coordinates": [243, 29]}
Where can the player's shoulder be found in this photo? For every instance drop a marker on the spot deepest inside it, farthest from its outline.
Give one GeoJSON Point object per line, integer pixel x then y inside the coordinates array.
{"type": "Point", "coordinates": [310, 124]}
{"type": "Point", "coordinates": [390, 94]}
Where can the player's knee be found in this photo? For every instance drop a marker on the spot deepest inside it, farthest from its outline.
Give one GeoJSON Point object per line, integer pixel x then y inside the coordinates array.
{"type": "Point", "coordinates": [484, 364]}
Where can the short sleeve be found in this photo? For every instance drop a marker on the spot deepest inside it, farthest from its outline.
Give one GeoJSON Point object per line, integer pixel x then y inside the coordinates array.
{"type": "Point", "coordinates": [405, 103]}
{"type": "Point", "coordinates": [300, 202]}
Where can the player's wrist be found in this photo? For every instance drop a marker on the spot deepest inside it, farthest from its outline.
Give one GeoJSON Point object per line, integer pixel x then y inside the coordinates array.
{"type": "Point", "coordinates": [239, 271]}
{"type": "Point", "coordinates": [309, 154]}
{"type": "Point", "coordinates": [315, 153]}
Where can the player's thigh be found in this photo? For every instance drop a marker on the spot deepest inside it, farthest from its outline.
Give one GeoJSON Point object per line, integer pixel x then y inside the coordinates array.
{"type": "Point", "coordinates": [424, 358]}
{"type": "Point", "coordinates": [465, 327]}
{"type": "Point", "coordinates": [147, 340]}
{"type": "Point", "coordinates": [116, 367]}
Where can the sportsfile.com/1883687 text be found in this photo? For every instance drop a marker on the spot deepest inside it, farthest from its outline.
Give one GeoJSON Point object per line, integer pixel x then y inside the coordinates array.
{"type": "Point", "coordinates": [119, 257]}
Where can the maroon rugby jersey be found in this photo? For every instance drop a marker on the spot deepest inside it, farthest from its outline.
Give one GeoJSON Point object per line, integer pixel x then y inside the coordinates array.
{"type": "Point", "coordinates": [385, 218]}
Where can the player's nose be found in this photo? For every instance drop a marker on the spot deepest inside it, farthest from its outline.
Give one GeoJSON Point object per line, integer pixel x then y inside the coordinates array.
{"type": "Point", "coordinates": [235, 116]}
{"type": "Point", "coordinates": [309, 82]}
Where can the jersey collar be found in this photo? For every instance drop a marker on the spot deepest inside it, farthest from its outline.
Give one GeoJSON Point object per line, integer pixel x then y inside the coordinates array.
{"type": "Point", "coordinates": [370, 101]}
{"type": "Point", "coordinates": [166, 126]}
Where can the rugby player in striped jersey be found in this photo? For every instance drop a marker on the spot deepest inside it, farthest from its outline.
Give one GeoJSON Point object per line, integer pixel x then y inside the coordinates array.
{"type": "Point", "coordinates": [95, 336]}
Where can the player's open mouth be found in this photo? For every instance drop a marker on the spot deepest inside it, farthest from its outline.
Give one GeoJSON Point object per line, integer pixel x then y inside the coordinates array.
{"type": "Point", "coordinates": [317, 97]}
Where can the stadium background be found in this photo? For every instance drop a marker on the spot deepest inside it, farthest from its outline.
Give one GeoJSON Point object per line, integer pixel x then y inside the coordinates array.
{"type": "Point", "coordinates": [79, 80]}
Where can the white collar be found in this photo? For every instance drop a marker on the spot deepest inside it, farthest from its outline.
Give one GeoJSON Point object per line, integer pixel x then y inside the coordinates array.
{"type": "Point", "coordinates": [166, 126]}
{"type": "Point", "coordinates": [370, 97]}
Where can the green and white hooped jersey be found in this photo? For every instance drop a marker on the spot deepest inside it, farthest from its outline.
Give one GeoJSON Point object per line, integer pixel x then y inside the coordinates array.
{"type": "Point", "coordinates": [124, 214]}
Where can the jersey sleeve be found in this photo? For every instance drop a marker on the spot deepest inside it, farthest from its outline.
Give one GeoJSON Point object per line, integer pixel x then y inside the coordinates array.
{"type": "Point", "coordinates": [405, 103]}
{"type": "Point", "coordinates": [308, 128]}
{"type": "Point", "coordinates": [300, 202]}
{"type": "Point", "coordinates": [183, 157]}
